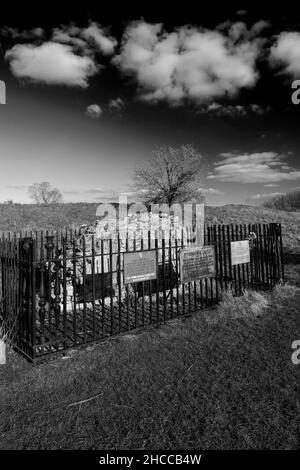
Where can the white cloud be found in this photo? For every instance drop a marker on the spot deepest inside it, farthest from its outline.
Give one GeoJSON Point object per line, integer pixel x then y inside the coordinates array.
{"type": "Point", "coordinates": [51, 63]}
{"type": "Point", "coordinates": [188, 63]}
{"type": "Point", "coordinates": [211, 191]}
{"type": "Point", "coordinates": [64, 35]}
{"type": "Point", "coordinates": [93, 38]}
{"type": "Point", "coordinates": [257, 109]}
{"type": "Point", "coordinates": [68, 58]}
{"type": "Point", "coordinates": [116, 105]}
{"type": "Point", "coordinates": [234, 111]}
{"type": "Point", "coordinates": [15, 33]}
{"type": "Point", "coordinates": [97, 34]}
{"type": "Point", "coordinates": [286, 52]}
{"type": "Point", "coordinates": [93, 111]}
{"type": "Point", "coordinates": [271, 185]}
{"type": "Point", "coordinates": [239, 29]}
{"type": "Point", "coordinates": [259, 26]}
{"type": "Point", "coordinates": [266, 195]}
{"type": "Point", "coordinates": [264, 167]}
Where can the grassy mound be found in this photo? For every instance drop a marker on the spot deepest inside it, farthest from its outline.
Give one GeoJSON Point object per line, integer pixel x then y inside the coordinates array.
{"type": "Point", "coordinates": [17, 217]}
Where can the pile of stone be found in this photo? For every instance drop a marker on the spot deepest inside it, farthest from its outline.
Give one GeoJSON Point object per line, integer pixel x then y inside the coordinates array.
{"type": "Point", "coordinates": [132, 233]}
{"type": "Point", "coordinates": [139, 231]}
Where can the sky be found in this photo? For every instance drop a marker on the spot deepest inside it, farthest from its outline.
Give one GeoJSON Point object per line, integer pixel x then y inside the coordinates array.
{"type": "Point", "coordinates": [91, 93]}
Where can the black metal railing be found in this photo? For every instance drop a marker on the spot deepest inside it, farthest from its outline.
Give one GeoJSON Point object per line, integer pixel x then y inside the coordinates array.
{"type": "Point", "coordinates": [61, 290]}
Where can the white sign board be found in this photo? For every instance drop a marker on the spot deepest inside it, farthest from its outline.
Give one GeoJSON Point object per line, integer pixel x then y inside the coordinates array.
{"type": "Point", "coordinates": [240, 252]}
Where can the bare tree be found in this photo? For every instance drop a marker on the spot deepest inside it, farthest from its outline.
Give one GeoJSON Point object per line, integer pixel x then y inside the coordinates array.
{"type": "Point", "coordinates": [171, 175]}
{"type": "Point", "coordinates": [42, 193]}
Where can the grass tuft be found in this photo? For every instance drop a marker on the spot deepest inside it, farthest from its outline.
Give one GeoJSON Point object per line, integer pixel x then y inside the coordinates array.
{"type": "Point", "coordinates": [251, 304]}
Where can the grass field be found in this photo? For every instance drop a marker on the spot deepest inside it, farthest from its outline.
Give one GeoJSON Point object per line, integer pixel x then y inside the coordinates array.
{"type": "Point", "coordinates": [222, 379]}
{"type": "Point", "coordinates": [17, 217]}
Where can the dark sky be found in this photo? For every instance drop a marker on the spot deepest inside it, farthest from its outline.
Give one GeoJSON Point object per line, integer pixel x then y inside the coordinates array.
{"type": "Point", "coordinates": [229, 94]}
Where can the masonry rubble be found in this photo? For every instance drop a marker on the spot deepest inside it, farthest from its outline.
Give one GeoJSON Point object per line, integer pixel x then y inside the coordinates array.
{"type": "Point", "coordinates": [130, 233]}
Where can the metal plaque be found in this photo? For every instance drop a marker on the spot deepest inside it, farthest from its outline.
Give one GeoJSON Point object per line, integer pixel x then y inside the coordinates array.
{"type": "Point", "coordinates": [197, 263]}
{"type": "Point", "coordinates": [140, 266]}
{"type": "Point", "coordinates": [240, 252]}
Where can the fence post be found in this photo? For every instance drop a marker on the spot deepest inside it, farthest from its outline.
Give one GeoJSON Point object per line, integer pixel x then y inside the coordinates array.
{"type": "Point", "coordinates": [42, 299]}
{"type": "Point", "coordinates": [276, 254]}
{"type": "Point", "coordinates": [27, 300]}
{"type": "Point", "coordinates": [281, 252]}
{"type": "Point", "coordinates": [57, 283]}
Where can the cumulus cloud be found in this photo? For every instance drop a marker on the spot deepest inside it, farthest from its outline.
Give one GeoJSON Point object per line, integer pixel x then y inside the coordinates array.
{"type": "Point", "coordinates": [286, 53]}
{"type": "Point", "coordinates": [116, 105]}
{"type": "Point", "coordinates": [69, 35]}
{"type": "Point", "coordinates": [264, 167]}
{"type": "Point", "coordinates": [266, 195]}
{"type": "Point", "coordinates": [239, 30]}
{"type": "Point", "coordinates": [93, 111]}
{"type": "Point", "coordinates": [211, 191]}
{"type": "Point", "coordinates": [258, 27]}
{"type": "Point", "coordinates": [16, 33]}
{"type": "Point", "coordinates": [69, 57]}
{"type": "Point", "coordinates": [51, 63]}
{"type": "Point", "coordinates": [100, 36]}
{"type": "Point", "coordinates": [94, 38]}
{"type": "Point", "coordinates": [188, 63]}
{"type": "Point", "coordinates": [234, 111]}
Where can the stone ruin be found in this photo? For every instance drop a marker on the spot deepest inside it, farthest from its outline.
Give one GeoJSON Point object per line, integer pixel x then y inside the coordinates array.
{"type": "Point", "coordinates": [129, 234]}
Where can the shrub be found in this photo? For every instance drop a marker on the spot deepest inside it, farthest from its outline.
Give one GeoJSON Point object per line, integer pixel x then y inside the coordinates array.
{"type": "Point", "coordinates": [287, 202]}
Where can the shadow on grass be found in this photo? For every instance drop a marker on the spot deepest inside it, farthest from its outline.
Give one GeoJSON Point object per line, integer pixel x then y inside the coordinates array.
{"type": "Point", "coordinates": [291, 258]}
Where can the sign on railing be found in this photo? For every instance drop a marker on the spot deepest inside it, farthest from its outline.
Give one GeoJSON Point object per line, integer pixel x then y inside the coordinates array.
{"type": "Point", "coordinates": [240, 252]}
{"type": "Point", "coordinates": [197, 263]}
{"type": "Point", "coordinates": [140, 266]}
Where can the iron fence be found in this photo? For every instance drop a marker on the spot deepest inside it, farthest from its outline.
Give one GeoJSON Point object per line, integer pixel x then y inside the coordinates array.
{"type": "Point", "coordinates": [66, 289]}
